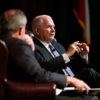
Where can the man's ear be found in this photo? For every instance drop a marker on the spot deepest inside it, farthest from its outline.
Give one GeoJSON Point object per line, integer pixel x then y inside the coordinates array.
{"type": "Point", "coordinates": [20, 30]}
{"type": "Point", "coordinates": [37, 31]}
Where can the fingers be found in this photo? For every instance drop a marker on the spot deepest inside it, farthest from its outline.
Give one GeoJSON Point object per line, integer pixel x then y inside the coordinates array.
{"type": "Point", "coordinates": [29, 41]}
{"type": "Point", "coordinates": [80, 47]}
{"type": "Point", "coordinates": [78, 84]}
{"type": "Point", "coordinates": [87, 88]}
{"type": "Point", "coordinates": [83, 87]}
{"type": "Point", "coordinates": [75, 46]}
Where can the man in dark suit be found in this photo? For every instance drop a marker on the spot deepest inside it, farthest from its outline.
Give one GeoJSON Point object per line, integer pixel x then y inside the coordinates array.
{"type": "Point", "coordinates": [22, 64]}
{"type": "Point", "coordinates": [44, 31]}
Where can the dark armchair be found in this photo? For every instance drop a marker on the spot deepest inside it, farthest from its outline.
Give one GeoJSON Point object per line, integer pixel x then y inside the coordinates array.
{"type": "Point", "coordinates": [14, 90]}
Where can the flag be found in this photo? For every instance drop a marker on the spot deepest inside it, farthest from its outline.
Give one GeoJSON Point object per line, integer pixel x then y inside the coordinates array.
{"type": "Point", "coordinates": [81, 11]}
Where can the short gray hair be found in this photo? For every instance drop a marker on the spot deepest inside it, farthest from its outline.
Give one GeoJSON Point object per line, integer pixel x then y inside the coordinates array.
{"type": "Point", "coordinates": [11, 20]}
{"type": "Point", "coordinates": [37, 21]}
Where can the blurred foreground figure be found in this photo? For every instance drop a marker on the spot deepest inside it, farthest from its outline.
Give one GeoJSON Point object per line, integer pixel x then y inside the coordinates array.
{"type": "Point", "coordinates": [22, 64]}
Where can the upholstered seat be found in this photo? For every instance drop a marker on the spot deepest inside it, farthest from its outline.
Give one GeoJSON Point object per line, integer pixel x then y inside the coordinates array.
{"type": "Point", "coordinates": [14, 90]}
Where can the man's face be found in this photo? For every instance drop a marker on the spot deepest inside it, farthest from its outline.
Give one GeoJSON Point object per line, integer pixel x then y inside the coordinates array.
{"type": "Point", "coordinates": [21, 33]}
{"type": "Point", "coordinates": [46, 32]}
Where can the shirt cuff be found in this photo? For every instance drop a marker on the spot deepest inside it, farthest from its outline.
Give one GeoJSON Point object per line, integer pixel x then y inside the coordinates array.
{"type": "Point", "coordinates": [66, 58]}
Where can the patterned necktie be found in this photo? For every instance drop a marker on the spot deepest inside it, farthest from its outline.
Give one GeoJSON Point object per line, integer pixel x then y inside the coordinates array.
{"type": "Point", "coordinates": [55, 53]}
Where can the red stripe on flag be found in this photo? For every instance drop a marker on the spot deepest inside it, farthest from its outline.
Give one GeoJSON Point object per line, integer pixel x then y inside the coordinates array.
{"type": "Point", "coordinates": [81, 11]}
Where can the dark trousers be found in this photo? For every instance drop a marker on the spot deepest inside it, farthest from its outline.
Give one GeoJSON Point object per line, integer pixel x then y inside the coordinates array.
{"type": "Point", "coordinates": [84, 71]}
{"type": "Point", "coordinates": [62, 97]}
{"type": "Point", "coordinates": [90, 76]}
{"type": "Point", "coordinates": [74, 95]}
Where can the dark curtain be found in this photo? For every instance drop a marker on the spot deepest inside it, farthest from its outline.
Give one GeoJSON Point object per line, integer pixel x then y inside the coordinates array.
{"type": "Point", "coordinates": [67, 28]}
{"type": "Point", "coordinates": [95, 31]}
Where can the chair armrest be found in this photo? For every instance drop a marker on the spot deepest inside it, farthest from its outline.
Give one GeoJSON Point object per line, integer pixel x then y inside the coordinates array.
{"type": "Point", "coordinates": [29, 91]}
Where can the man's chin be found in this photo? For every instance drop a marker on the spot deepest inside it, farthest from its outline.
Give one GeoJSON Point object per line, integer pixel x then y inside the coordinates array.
{"type": "Point", "coordinates": [53, 39]}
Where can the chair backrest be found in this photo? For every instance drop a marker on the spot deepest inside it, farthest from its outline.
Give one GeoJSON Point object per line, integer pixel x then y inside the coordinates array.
{"type": "Point", "coordinates": [14, 90]}
{"type": "Point", "coordinates": [3, 63]}
{"type": "Point", "coordinates": [3, 60]}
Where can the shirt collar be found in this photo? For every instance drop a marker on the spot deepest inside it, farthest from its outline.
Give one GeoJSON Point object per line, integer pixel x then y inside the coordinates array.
{"type": "Point", "coordinates": [44, 43]}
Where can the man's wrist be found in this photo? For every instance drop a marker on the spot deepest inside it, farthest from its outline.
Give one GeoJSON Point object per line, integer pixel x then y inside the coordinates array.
{"type": "Point", "coordinates": [66, 58]}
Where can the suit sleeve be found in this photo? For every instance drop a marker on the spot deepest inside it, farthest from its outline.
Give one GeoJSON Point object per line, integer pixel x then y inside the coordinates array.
{"type": "Point", "coordinates": [25, 59]}
{"type": "Point", "coordinates": [48, 62]}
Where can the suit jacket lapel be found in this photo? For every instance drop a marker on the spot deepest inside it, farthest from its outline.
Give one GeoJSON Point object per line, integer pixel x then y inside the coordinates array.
{"type": "Point", "coordinates": [43, 48]}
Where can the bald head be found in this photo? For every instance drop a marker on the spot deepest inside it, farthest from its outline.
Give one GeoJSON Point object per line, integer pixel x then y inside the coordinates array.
{"type": "Point", "coordinates": [43, 28]}
{"type": "Point", "coordinates": [40, 21]}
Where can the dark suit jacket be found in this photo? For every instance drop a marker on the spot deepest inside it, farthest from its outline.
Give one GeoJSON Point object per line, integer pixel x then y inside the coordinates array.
{"type": "Point", "coordinates": [23, 66]}
{"type": "Point", "coordinates": [56, 64]}
{"type": "Point", "coordinates": [45, 58]}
